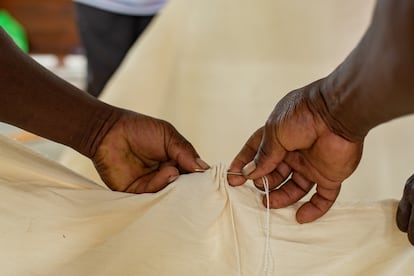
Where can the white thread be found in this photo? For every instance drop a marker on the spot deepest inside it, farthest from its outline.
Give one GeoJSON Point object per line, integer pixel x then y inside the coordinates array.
{"type": "Point", "coordinates": [233, 225]}
{"type": "Point", "coordinates": [267, 255]}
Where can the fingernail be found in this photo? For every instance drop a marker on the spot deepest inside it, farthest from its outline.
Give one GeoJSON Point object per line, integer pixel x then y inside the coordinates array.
{"type": "Point", "coordinates": [258, 186]}
{"type": "Point", "coordinates": [203, 165]}
{"type": "Point", "coordinates": [249, 168]}
{"type": "Point", "coordinates": [172, 178]}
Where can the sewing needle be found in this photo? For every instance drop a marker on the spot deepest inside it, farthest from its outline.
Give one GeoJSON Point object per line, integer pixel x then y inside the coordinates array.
{"type": "Point", "coordinates": [230, 173]}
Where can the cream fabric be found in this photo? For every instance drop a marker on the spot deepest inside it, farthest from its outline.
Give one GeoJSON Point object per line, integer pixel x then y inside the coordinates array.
{"type": "Point", "coordinates": [216, 68]}
{"type": "Point", "coordinates": [54, 222]}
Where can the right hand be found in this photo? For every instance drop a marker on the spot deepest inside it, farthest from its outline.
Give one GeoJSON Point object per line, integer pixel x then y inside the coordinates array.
{"type": "Point", "coordinates": [297, 142]}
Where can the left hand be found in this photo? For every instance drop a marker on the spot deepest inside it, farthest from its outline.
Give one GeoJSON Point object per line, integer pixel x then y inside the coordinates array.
{"type": "Point", "coordinates": [405, 214]}
{"type": "Point", "coordinates": [140, 154]}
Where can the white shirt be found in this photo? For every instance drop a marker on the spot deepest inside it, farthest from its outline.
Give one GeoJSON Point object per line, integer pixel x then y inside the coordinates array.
{"type": "Point", "coordinates": [129, 7]}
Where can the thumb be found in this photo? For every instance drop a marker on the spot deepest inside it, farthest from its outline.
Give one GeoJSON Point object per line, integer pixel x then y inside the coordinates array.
{"type": "Point", "coordinates": [181, 151]}
{"type": "Point", "coordinates": [269, 155]}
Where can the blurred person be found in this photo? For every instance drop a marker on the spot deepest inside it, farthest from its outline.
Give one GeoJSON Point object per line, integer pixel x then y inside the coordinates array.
{"type": "Point", "coordinates": [108, 28]}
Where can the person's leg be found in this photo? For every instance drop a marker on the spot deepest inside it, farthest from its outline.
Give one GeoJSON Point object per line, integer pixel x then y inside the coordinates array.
{"type": "Point", "coordinates": [106, 38]}
{"type": "Point", "coordinates": [141, 23]}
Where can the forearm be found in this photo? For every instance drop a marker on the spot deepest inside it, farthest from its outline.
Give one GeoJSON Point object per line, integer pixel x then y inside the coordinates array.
{"type": "Point", "coordinates": [34, 99]}
{"type": "Point", "coordinates": [375, 83]}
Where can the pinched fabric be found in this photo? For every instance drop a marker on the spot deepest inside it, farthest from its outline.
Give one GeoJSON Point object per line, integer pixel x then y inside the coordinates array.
{"type": "Point", "coordinates": [55, 222]}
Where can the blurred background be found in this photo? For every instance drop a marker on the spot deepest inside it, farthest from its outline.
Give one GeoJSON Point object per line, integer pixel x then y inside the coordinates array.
{"type": "Point", "coordinates": [47, 31]}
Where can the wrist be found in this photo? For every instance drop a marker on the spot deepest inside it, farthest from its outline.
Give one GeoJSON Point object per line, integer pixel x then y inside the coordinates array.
{"type": "Point", "coordinates": [347, 105]}
{"type": "Point", "coordinates": [374, 83]}
{"type": "Point", "coordinates": [103, 118]}
{"type": "Point", "coordinates": [326, 104]}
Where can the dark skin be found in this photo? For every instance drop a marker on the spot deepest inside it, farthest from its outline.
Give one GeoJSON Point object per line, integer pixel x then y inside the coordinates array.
{"type": "Point", "coordinates": [304, 146]}
{"type": "Point", "coordinates": [132, 152]}
{"type": "Point", "coordinates": [405, 212]}
{"type": "Point", "coordinates": [315, 134]}
{"type": "Point", "coordinates": [141, 154]}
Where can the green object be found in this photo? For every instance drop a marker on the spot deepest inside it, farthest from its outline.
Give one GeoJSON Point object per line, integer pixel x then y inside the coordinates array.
{"type": "Point", "coordinates": [14, 29]}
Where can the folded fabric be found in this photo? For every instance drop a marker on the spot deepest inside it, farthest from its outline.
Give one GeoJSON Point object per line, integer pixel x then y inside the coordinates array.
{"type": "Point", "coordinates": [55, 222]}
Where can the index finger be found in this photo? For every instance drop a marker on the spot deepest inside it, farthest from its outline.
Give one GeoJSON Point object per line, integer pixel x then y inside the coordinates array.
{"type": "Point", "coordinates": [246, 155]}
{"type": "Point", "coordinates": [183, 152]}
{"type": "Point", "coordinates": [268, 156]}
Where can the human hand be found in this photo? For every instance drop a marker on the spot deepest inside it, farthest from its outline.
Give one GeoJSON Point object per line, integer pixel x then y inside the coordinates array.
{"type": "Point", "coordinates": [405, 215]}
{"type": "Point", "coordinates": [297, 145]}
{"type": "Point", "coordinates": [140, 154]}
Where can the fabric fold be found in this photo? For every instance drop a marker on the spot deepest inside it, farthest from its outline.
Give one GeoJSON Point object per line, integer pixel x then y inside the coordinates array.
{"type": "Point", "coordinates": [54, 222]}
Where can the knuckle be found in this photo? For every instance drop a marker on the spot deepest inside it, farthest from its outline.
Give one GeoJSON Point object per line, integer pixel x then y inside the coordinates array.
{"type": "Point", "coordinates": [409, 186]}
